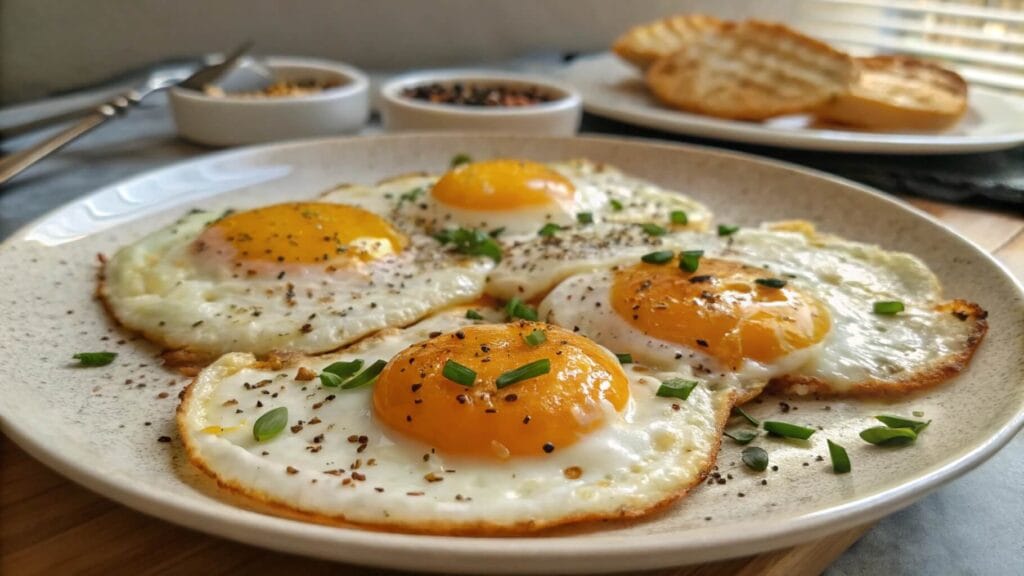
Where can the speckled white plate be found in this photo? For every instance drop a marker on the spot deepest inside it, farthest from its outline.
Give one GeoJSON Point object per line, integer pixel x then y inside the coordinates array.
{"type": "Point", "coordinates": [614, 89]}
{"type": "Point", "coordinates": [100, 427]}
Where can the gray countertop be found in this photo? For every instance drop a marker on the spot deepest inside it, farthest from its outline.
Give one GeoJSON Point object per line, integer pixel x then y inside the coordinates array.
{"type": "Point", "coordinates": [974, 525]}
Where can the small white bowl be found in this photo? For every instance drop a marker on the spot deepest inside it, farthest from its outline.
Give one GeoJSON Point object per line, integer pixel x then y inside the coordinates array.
{"type": "Point", "coordinates": [236, 119]}
{"type": "Point", "coordinates": [559, 117]}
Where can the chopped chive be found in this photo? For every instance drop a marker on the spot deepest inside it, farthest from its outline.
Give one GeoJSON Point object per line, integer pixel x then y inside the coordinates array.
{"type": "Point", "coordinates": [787, 430]}
{"type": "Point", "coordinates": [94, 359]}
{"type": "Point", "coordinates": [653, 229]}
{"type": "Point", "coordinates": [524, 372]}
{"type": "Point", "coordinates": [899, 422]}
{"type": "Point", "coordinates": [741, 436]}
{"type": "Point", "coordinates": [472, 242]}
{"type": "Point", "coordinates": [885, 436]}
{"type": "Point", "coordinates": [585, 218]}
{"type": "Point", "coordinates": [549, 229]}
{"type": "Point", "coordinates": [496, 232]}
{"type": "Point", "coordinates": [659, 257]}
{"type": "Point", "coordinates": [616, 205]}
{"type": "Point", "coordinates": [676, 388]}
{"type": "Point", "coordinates": [625, 358]}
{"type": "Point", "coordinates": [888, 308]}
{"type": "Point", "coordinates": [344, 369]}
{"type": "Point", "coordinates": [840, 459]}
{"type": "Point", "coordinates": [473, 315]}
{"type": "Point", "coordinates": [679, 217]}
{"type": "Point", "coordinates": [535, 338]}
{"type": "Point", "coordinates": [366, 376]}
{"type": "Point", "coordinates": [461, 375]}
{"type": "Point", "coordinates": [755, 458]}
{"type": "Point", "coordinates": [517, 309]}
{"type": "Point", "coordinates": [753, 421]}
{"type": "Point", "coordinates": [726, 230]}
{"type": "Point", "coordinates": [771, 282]}
{"type": "Point", "coordinates": [270, 424]}
{"type": "Point", "coordinates": [689, 260]}
{"type": "Point", "coordinates": [460, 159]}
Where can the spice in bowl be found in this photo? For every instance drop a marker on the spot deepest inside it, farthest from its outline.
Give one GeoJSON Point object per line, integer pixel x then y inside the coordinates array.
{"type": "Point", "coordinates": [279, 89]}
{"type": "Point", "coordinates": [471, 95]}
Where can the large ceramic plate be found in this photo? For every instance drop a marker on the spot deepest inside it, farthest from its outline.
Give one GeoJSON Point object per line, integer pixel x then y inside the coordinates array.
{"type": "Point", "coordinates": [613, 89]}
{"type": "Point", "coordinates": [100, 427]}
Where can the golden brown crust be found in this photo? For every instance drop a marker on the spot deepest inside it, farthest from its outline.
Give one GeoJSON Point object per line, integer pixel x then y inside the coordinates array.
{"type": "Point", "coordinates": [932, 375]}
{"type": "Point", "coordinates": [752, 70]}
{"type": "Point", "coordinates": [266, 503]}
{"type": "Point", "coordinates": [643, 44]}
{"type": "Point", "coordinates": [899, 92]}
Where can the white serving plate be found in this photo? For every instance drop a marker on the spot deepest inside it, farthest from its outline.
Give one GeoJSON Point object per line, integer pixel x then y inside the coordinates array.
{"type": "Point", "coordinates": [90, 424]}
{"type": "Point", "coordinates": [614, 89]}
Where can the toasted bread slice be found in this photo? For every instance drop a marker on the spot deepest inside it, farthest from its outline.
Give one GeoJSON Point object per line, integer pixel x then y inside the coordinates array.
{"type": "Point", "coordinates": [642, 45]}
{"type": "Point", "coordinates": [897, 92]}
{"type": "Point", "coordinates": [751, 71]}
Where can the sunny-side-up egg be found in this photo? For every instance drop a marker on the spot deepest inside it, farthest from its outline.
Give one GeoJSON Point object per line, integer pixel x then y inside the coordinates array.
{"type": "Point", "coordinates": [808, 312]}
{"type": "Point", "coordinates": [455, 425]}
{"type": "Point", "coordinates": [515, 198]}
{"type": "Point", "coordinates": [305, 276]}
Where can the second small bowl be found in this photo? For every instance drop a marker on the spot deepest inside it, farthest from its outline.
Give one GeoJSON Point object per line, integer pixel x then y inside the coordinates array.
{"type": "Point", "coordinates": [559, 116]}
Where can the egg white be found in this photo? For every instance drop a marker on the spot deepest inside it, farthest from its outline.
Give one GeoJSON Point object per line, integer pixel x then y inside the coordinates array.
{"type": "Point", "coordinates": [649, 454]}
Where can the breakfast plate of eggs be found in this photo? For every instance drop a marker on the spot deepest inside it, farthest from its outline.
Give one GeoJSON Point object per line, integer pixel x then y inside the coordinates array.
{"type": "Point", "coordinates": [506, 354]}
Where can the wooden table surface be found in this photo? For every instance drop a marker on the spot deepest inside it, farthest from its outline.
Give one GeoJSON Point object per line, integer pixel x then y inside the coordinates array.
{"type": "Point", "coordinates": [49, 525]}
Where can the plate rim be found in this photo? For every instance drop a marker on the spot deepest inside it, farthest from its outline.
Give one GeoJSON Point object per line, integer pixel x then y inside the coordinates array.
{"type": "Point", "coordinates": [742, 132]}
{"type": "Point", "coordinates": [592, 552]}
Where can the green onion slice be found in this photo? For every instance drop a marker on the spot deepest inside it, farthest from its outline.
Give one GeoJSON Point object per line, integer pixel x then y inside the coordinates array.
{"type": "Point", "coordinates": [771, 282]}
{"type": "Point", "coordinates": [94, 359]}
{"type": "Point", "coordinates": [366, 376]}
{"type": "Point", "coordinates": [888, 308]}
{"type": "Point", "coordinates": [659, 257]}
{"type": "Point", "coordinates": [461, 375]}
{"type": "Point", "coordinates": [460, 159]}
{"type": "Point", "coordinates": [679, 217]}
{"type": "Point", "coordinates": [535, 338]}
{"type": "Point", "coordinates": [840, 459]}
{"type": "Point", "coordinates": [753, 421]}
{"type": "Point", "coordinates": [726, 230]}
{"type": "Point", "coordinates": [270, 424]}
{"type": "Point", "coordinates": [900, 422]}
{"type": "Point", "coordinates": [885, 436]}
{"type": "Point", "coordinates": [755, 458]}
{"type": "Point", "coordinates": [625, 358]}
{"type": "Point", "coordinates": [676, 388]}
{"type": "Point", "coordinates": [517, 309]}
{"type": "Point", "coordinates": [585, 218]}
{"type": "Point", "coordinates": [741, 436]}
{"type": "Point", "coordinates": [653, 229]}
{"type": "Point", "coordinates": [787, 430]}
{"type": "Point", "coordinates": [524, 372]}
{"type": "Point", "coordinates": [473, 315]}
{"type": "Point", "coordinates": [689, 260]}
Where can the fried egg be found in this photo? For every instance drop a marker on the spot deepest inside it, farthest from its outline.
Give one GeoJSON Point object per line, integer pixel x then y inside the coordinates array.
{"type": "Point", "coordinates": [520, 197]}
{"type": "Point", "coordinates": [304, 276]}
{"type": "Point", "coordinates": [424, 447]}
{"type": "Point", "coordinates": [781, 304]}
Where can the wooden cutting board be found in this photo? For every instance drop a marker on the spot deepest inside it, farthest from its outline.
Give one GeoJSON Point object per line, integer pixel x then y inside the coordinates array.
{"type": "Point", "coordinates": [49, 525]}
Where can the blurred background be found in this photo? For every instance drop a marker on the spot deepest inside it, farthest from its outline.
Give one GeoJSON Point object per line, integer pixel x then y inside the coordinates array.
{"type": "Point", "coordinates": [51, 46]}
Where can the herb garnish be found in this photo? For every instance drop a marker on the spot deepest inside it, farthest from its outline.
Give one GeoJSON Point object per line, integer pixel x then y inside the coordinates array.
{"type": "Point", "coordinates": [471, 241]}
{"type": "Point", "coordinates": [787, 430]}
{"type": "Point", "coordinates": [585, 218]}
{"type": "Point", "coordinates": [679, 217]}
{"type": "Point", "coordinates": [755, 458]}
{"type": "Point", "coordinates": [524, 372]}
{"type": "Point", "coordinates": [771, 282]}
{"type": "Point", "coordinates": [900, 422]}
{"type": "Point", "coordinates": [616, 205]}
{"type": "Point", "coordinates": [410, 196]}
{"type": "Point", "coordinates": [753, 421]}
{"type": "Point", "coordinates": [517, 309]}
{"type": "Point", "coordinates": [549, 229]}
{"type": "Point", "coordinates": [659, 257]}
{"type": "Point", "coordinates": [473, 315]}
{"type": "Point", "coordinates": [689, 260]}
{"type": "Point", "coordinates": [459, 159]}
{"type": "Point", "coordinates": [461, 375]}
{"type": "Point", "coordinates": [625, 358]}
{"type": "Point", "coordinates": [535, 338]}
{"type": "Point", "coordinates": [676, 388]}
{"type": "Point", "coordinates": [334, 375]}
{"type": "Point", "coordinates": [888, 308]}
{"type": "Point", "coordinates": [741, 436]}
{"type": "Point", "coordinates": [840, 459]}
{"type": "Point", "coordinates": [653, 229]}
{"type": "Point", "coordinates": [366, 376]}
{"type": "Point", "coordinates": [270, 424]}
{"type": "Point", "coordinates": [726, 230]}
{"type": "Point", "coordinates": [94, 359]}
{"type": "Point", "coordinates": [885, 436]}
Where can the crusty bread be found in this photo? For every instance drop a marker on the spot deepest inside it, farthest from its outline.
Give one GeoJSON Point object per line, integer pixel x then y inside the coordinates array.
{"type": "Point", "coordinates": [643, 44]}
{"type": "Point", "coordinates": [897, 92]}
{"type": "Point", "coordinates": [751, 71]}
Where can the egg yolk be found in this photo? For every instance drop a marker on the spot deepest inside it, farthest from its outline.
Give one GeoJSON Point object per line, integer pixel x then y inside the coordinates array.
{"type": "Point", "coordinates": [300, 233]}
{"type": "Point", "coordinates": [503, 185]}
{"type": "Point", "coordinates": [529, 418]}
{"type": "Point", "coordinates": [720, 310]}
